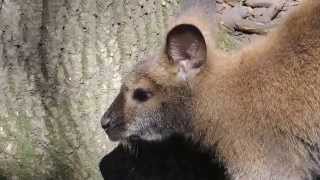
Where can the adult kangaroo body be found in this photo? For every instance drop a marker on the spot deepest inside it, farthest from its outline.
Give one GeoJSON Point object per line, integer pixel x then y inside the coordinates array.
{"type": "Point", "coordinates": [260, 107]}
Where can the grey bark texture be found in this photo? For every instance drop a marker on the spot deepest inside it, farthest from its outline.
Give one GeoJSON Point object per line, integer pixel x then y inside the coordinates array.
{"type": "Point", "coordinates": [61, 62]}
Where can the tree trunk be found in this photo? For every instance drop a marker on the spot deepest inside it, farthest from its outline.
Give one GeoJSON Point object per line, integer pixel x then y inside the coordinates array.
{"type": "Point", "coordinates": [61, 64]}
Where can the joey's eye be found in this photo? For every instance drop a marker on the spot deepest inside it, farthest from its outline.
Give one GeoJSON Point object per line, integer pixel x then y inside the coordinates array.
{"type": "Point", "coordinates": [142, 95]}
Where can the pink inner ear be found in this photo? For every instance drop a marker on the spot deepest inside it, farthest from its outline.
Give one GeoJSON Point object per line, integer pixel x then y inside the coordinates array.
{"type": "Point", "coordinates": [186, 71]}
{"type": "Point", "coordinates": [183, 67]}
{"type": "Point", "coordinates": [186, 43]}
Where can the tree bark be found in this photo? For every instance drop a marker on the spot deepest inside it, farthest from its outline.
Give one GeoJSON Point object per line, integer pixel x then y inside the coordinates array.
{"type": "Point", "coordinates": [61, 65]}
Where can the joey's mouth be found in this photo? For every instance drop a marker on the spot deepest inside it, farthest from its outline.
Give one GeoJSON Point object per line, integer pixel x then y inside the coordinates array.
{"type": "Point", "coordinates": [115, 133]}
{"type": "Point", "coordinates": [119, 136]}
{"type": "Point", "coordinates": [114, 137]}
{"type": "Point", "coordinates": [120, 133]}
{"type": "Point", "coordinates": [134, 138]}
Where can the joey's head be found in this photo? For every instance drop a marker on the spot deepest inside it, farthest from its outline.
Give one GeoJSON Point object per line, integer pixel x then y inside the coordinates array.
{"type": "Point", "coordinates": [155, 99]}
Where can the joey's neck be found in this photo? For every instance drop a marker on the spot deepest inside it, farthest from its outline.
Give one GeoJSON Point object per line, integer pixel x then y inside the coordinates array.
{"type": "Point", "coordinates": [214, 100]}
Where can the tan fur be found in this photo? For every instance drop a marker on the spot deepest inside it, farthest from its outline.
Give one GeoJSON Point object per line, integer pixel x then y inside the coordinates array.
{"type": "Point", "coordinates": [260, 106]}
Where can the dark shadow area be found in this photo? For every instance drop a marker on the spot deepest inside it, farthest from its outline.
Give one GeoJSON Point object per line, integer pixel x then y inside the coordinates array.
{"type": "Point", "coordinates": [172, 159]}
{"type": "Point", "coordinates": [3, 177]}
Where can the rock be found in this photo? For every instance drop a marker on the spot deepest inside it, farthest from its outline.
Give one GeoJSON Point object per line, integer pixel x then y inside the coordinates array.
{"type": "Point", "coordinates": [232, 2]}
{"type": "Point", "coordinates": [259, 3]}
{"type": "Point", "coordinates": [234, 15]}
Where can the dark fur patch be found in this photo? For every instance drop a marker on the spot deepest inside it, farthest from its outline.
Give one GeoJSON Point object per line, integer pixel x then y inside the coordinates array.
{"type": "Point", "coordinates": [172, 159]}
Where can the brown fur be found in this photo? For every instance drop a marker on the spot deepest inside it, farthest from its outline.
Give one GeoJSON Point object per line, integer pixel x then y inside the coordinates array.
{"type": "Point", "coordinates": [260, 106]}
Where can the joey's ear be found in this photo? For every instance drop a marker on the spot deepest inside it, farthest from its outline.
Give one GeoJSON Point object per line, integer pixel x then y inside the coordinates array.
{"type": "Point", "coordinates": [186, 48]}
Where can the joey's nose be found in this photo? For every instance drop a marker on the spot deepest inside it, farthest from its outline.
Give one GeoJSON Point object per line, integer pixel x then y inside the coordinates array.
{"type": "Point", "coordinates": [105, 123]}
{"type": "Point", "coordinates": [113, 128]}
{"type": "Point", "coordinates": [108, 124]}
{"type": "Point", "coordinates": [105, 120]}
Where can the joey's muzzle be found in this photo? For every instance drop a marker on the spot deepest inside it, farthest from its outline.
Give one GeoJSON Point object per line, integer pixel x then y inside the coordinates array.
{"type": "Point", "coordinates": [112, 120]}
{"type": "Point", "coordinates": [112, 127]}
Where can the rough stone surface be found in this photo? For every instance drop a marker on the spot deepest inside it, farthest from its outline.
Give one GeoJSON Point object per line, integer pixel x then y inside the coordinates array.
{"type": "Point", "coordinates": [61, 62]}
{"type": "Point", "coordinates": [248, 19]}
